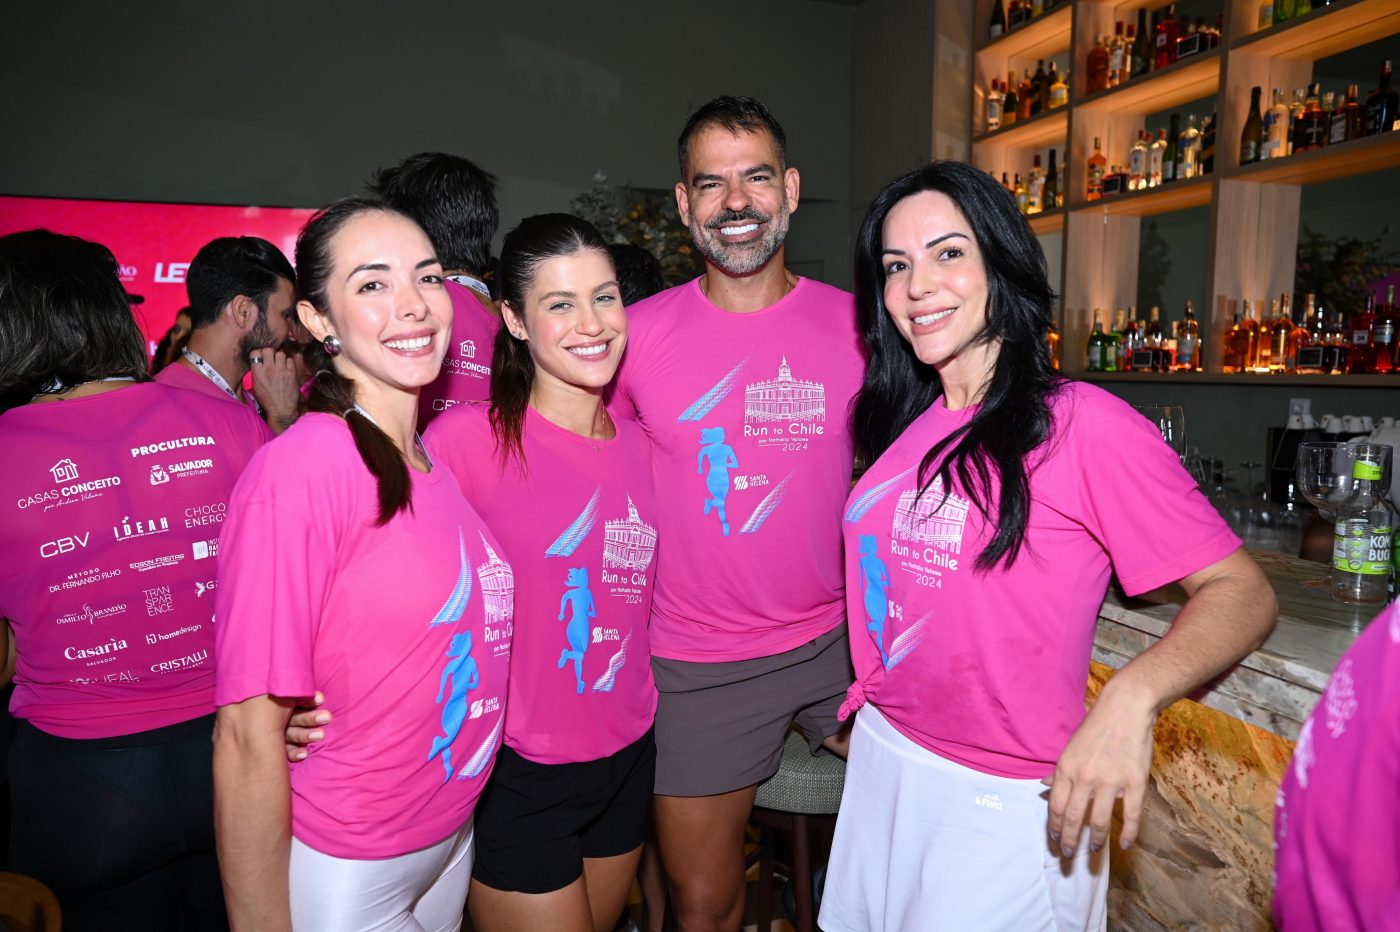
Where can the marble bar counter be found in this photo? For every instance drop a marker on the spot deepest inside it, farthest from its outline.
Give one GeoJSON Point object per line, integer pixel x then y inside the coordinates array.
{"type": "Point", "coordinates": [1204, 857]}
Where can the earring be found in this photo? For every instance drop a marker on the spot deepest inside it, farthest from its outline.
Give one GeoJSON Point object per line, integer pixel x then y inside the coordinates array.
{"type": "Point", "coordinates": [331, 345]}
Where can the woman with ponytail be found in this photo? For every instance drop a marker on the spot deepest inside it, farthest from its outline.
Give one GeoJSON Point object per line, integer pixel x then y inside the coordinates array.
{"type": "Point", "coordinates": [352, 566]}
{"type": "Point", "coordinates": [979, 546]}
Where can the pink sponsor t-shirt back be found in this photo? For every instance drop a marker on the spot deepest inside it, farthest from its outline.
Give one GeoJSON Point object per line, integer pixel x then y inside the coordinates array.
{"type": "Point", "coordinates": [404, 627]}
{"type": "Point", "coordinates": [466, 369]}
{"type": "Point", "coordinates": [748, 419]}
{"type": "Point", "coordinates": [1337, 827]}
{"type": "Point", "coordinates": [989, 669]}
{"type": "Point", "coordinates": [578, 526]}
{"type": "Point", "coordinates": [113, 506]}
{"type": "Point", "coordinates": [179, 375]}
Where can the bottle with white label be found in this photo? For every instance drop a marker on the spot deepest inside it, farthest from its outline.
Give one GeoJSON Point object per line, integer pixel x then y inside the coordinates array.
{"type": "Point", "coordinates": [1361, 549]}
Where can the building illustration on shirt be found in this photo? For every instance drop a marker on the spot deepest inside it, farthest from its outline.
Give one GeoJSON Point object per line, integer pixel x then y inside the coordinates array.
{"type": "Point", "coordinates": [65, 470]}
{"type": "Point", "coordinates": [785, 398]}
{"type": "Point", "coordinates": [628, 542]}
{"type": "Point", "coordinates": [468, 349]}
{"type": "Point", "coordinates": [497, 586]}
{"type": "Point", "coordinates": [931, 518]}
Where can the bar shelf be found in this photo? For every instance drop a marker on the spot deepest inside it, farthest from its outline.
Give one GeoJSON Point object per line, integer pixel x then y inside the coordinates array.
{"type": "Point", "coordinates": [1367, 154]}
{"type": "Point", "coordinates": [1325, 31]}
{"type": "Point", "coordinates": [1178, 83]}
{"type": "Point", "coordinates": [1178, 195]}
{"type": "Point", "coordinates": [1033, 133]}
{"type": "Point", "coordinates": [1040, 38]}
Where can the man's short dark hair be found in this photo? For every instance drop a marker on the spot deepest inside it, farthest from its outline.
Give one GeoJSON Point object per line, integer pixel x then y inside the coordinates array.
{"type": "Point", "coordinates": [736, 114]}
{"type": "Point", "coordinates": [452, 199]}
{"type": "Point", "coordinates": [638, 272]}
{"type": "Point", "coordinates": [231, 266]}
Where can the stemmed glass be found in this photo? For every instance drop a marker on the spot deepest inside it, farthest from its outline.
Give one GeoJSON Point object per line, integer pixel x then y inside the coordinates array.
{"type": "Point", "coordinates": [1171, 421]}
{"type": "Point", "coordinates": [1323, 474]}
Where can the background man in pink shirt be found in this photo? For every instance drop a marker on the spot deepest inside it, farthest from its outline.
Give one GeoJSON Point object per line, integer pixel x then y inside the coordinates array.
{"type": "Point", "coordinates": [242, 300]}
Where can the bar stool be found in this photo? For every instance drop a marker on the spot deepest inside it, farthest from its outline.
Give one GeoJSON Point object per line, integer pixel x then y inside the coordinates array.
{"type": "Point", "coordinates": [805, 792]}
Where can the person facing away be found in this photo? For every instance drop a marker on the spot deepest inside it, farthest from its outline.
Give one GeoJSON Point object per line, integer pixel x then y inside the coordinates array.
{"type": "Point", "coordinates": [742, 379]}
{"type": "Point", "coordinates": [170, 346]}
{"type": "Point", "coordinates": [242, 293]}
{"type": "Point", "coordinates": [114, 492]}
{"type": "Point", "coordinates": [454, 201]}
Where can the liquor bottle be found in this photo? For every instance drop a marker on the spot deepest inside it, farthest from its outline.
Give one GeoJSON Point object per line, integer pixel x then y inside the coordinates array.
{"type": "Point", "coordinates": [1300, 340]}
{"type": "Point", "coordinates": [1382, 105]}
{"type": "Point", "coordinates": [1115, 182]}
{"type": "Point", "coordinates": [1023, 97]}
{"type": "Point", "coordinates": [1096, 67]}
{"type": "Point", "coordinates": [1117, 55]}
{"type": "Point", "coordinates": [1155, 155]}
{"type": "Point", "coordinates": [1275, 337]}
{"type": "Point", "coordinates": [1037, 8]}
{"type": "Point", "coordinates": [1188, 341]}
{"type": "Point", "coordinates": [1059, 88]}
{"type": "Point", "coordinates": [1051, 195]}
{"type": "Point", "coordinates": [1346, 119]}
{"type": "Point", "coordinates": [1295, 119]}
{"type": "Point", "coordinates": [1208, 145]}
{"type": "Point", "coordinates": [1137, 163]}
{"type": "Point", "coordinates": [1194, 39]}
{"type": "Point", "coordinates": [1239, 346]}
{"type": "Point", "coordinates": [1171, 154]}
{"type": "Point", "coordinates": [1040, 90]}
{"type": "Point", "coordinates": [1188, 154]}
{"type": "Point", "coordinates": [1166, 34]}
{"type": "Point", "coordinates": [1338, 343]}
{"type": "Point", "coordinates": [1284, 10]}
{"type": "Point", "coordinates": [1328, 105]}
{"type": "Point", "coordinates": [1010, 105]}
{"type": "Point", "coordinates": [1383, 346]}
{"type": "Point", "coordinates": [1305, 6]}
{"type": "Point", "coordinates": [998, 26]}
{"type": "Point", "coordinates": [1097, 164]}
{"type": "Point", "coordinates": [1035, 187]}
{"type": "Point", "coordinates": [994, 100]}
{"type": "Point", "coordinates": [1266, 15]}
{"type": "Point", "coordinates": [1361, 560]}
{"type": "Point", "coordinates": [1018, 14]}
{"type": "Point", "coordinates": [1252, 139]}
{"type": "Point", "coordinates": [1021, 194]}
{"type": "Point", "coordinates": [1098, 344]}
{"type": "Point", "coordinates": [1140, 56]}
{"type": "Point", "coordinates": [1156, 341]}
{"type": "Point", "coordinates": [1276, 126]}
{"type": "Point", "coordinates": [1116, 341]}
{"type": "Point", "coordinates": [1006, 185]}
{"type": "Point", "coordinates": [1313, 124]}
{"type": "Point", "coordinates": [1248, 322]}
{"type": "Point", "coordinates": [1297, 334]}
{"type": "Point", "coordinates": [1132, 341]}
{"type": "Point", "coordinates": [1360, 351]}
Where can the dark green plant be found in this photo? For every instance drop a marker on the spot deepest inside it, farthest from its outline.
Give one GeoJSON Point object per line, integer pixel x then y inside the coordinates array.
{"type": "Point", "coordinates": [644, 218]}
{"type": "Point", "coordinates": [1339, 272]}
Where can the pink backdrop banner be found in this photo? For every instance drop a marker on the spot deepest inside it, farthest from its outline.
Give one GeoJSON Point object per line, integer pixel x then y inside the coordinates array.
{"type": "Point", "coordinates": [153, 243]}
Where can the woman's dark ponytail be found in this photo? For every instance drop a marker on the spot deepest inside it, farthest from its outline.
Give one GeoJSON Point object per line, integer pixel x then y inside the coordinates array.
{"type": "Point", "coordinates": [331, 392]}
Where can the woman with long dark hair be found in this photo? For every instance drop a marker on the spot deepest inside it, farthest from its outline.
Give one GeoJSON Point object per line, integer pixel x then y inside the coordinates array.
{"type": "Point", "coordinates": [353, 567]}
{"type": "Point", "coordinates": [999, 500]}
{"type": "Point", "coordinates": [568, 490]}
{"type": "Point", "coordinates": [113, 491]}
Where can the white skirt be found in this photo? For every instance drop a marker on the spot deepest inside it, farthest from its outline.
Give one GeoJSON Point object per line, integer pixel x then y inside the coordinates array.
{"type": "Point", "coordinates": [925, 844]}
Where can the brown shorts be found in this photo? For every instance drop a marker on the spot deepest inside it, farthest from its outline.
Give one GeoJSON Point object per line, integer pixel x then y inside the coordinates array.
{"type": "Point", "coordinates": [720, 726]}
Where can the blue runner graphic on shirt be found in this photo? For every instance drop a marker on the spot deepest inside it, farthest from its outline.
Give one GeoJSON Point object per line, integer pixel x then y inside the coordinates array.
{"type": "Point", "coordinates": [456, 603]}
{"type": "Point", "coordinates": [721, 458]}
{"type": "Point", "coordinates": [578, 600]}
{"type": "Point", "coordinates": [711, 399]}
{"type": "Point", "coordinates": [908, 639]}
{"type": "Point", "coordinates": [766, 507]}
{"type": "Point", "coordinates": [873, 496]}
{"type": "Point", "coordinates": [461, 670]}
{"type": "Point", "coordinates": [567, 542]}
{"type": "Point", "coordinates": [476, 764]}
{"type": "Point", "coordinates": [608, 680]}
{"type": "Point", "coordinates": [875, 587]}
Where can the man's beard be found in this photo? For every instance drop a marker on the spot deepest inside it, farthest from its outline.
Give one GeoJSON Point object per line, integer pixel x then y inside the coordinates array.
{"type": "Point", "coordinates": [740, 258]}
{"type": "Point", "coordinates": [255, 339]}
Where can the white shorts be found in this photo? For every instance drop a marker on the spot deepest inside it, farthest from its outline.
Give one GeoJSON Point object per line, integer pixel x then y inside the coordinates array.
{"type": "Point", "coordinates": [424, 889]}
{"type": "Point", "coordinates": [924, 844]}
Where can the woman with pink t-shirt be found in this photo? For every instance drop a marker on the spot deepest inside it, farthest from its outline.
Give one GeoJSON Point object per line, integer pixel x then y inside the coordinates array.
{"type": "Point", "coordinates": [979, 545]}
{"type": "Point", "coordinates": [113, 493]}
{"type": "Point", "coordinates": [353, 567]}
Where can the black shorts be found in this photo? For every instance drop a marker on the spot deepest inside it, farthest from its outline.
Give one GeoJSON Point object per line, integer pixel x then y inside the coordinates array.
{"type": "Point", "coordinates": [537, 822]}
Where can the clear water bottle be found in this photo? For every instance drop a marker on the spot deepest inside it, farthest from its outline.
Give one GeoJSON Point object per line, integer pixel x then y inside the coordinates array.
{"type": "Point", "coordinates": [1361, 550]}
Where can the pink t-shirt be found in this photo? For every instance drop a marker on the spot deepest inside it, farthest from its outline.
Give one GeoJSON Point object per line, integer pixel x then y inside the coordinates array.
{"type": "Point", "coordinates": [579, 527]}
{"type": "Point", "coordinates": [748, 419]}
{"type": "Point", "coordinates": [466, 369]}
{"type": "Point", "coordinates": [989, 669]}
{"type": "Point", "coordinates": [179, 375]}
{"type": "Point", "coordinates": [404, 627]}
{"type": "Point", "coordinates": [1337, 828]}
{"type": "Point", "coordinates": [113, 505]}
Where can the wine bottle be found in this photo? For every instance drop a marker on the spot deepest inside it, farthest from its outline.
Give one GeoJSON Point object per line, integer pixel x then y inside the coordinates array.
{"type": "Point", "coordinates": [1252, 138]}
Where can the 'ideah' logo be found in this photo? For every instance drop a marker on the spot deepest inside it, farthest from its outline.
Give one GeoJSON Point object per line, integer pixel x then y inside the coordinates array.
{"type": "Point", "coordinates": [65, 470]}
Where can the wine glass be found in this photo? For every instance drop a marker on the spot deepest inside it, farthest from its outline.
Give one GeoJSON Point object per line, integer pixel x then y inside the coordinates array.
{"type": "Point", "coordinates": [1323, 474]}
{"type": "Point", "coordinates": [1171, 421]}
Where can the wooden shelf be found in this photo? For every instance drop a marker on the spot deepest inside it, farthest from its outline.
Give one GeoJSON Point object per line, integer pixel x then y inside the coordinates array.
{"type": "Point", "coordinates": [1177, 195]}
{"type": "Point", "coordinates": [1368, 154]}
{"type": "Point", "coordinates": [1042, 37]}
{"type": "Point", "coordinates": [1047, 221]}
{"type": "Point", "coordinates": [1178, 83]}
{"type": "Point", "coordinates": [1325, 31]}
{"type": "Point", "coordinates": [1245, 379]}
{"type": "Point", "coordinates": [1040, 130]}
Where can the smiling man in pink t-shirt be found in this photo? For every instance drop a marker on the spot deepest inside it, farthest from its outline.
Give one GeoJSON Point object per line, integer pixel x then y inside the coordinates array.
{"type": "Point", "coordinates": [742, 379]}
